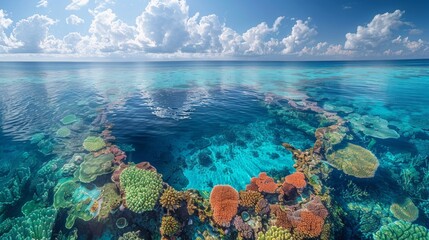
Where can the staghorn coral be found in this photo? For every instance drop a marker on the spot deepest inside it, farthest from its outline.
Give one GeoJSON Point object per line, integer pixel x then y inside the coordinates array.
{"type": "Point", "coordinates": [141, 187]}
{"type": "Point", "coordinates": [264, 183]}
{"type": "Point", "coordinates": [93, 144]}
{"type": "Point", "coordinates": [169, 226]}
{"type": "Point", "coordinates": [406, 210]}
{"type": "Point", "coordinates": [36, 225]}
{"type": "Point", "coordinates": [92, 167]}
{"type": "Point", "coordinates": [249, 198]}
{"type": "Point", "coordinates": [262, 207]}
{"type": "Point", "coordinates": [402, 230]}
{"type": "Point", "coordinates": [170, 199]}
{"type": "Point", "coordinates": [275, 233]}
{"type": "Point", "coordinates": [307, 224]}
{"type": "Point", "coordinates": [243, 228]}
{"type": "Point", "coordinates": [224, 202]}
{"type": "Point", "coordinates": [296, 179]}
{"type": "Point", "coordinates": [354, 160]}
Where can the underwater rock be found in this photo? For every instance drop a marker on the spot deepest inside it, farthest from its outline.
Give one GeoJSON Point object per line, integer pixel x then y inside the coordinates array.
{"type": "Point", "coordinates": [224, 202]}
{"type": "Point", "coordinates": [373, 126]}
{"type": "Point", "coordinates": [263, 183]}
{"type": "Point", "coordinates": [297, 179]}
{"type": "Point", "coordinates": [249, 198]}
{"type": "Point", "coordinates": [354, 160]}
{"type": "Point", "coordinates": [63, 132]}
{"type": "Point", "coordinates": [36, 225]}
{"type": "Point", "coordinates": [69, 119]}
{"type": "Point", "coordinates": [275, 233]}
{"type": "Point", "coordinates": [93, 144]}
{"type": "Point", "coordinates": [402, 230]}
{"type": "Point", "coordinates": [406, 210]}
{"type": "Point", "coordinates": [169, 226]}
{"type": "Point", "coordinates": [92, 167]}
{"type": "Point", "coordinates": [170, 199]}
{"type": "Point", "coordinates": [141, 188]}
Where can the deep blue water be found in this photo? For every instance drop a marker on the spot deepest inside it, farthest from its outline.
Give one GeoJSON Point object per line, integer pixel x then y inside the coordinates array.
{"type": "Point", "coordinates": [207, 123]}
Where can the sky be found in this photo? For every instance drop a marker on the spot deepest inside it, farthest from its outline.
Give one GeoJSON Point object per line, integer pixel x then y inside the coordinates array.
{"type": "Point", "coordinates": [128, 30]}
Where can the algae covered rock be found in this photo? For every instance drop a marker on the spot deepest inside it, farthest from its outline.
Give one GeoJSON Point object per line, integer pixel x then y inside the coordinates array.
{"type": "Point", "coordinates": [141, 187]}
{"type": "Point", "coordinates": [93, 144]}
{"type": "Point", "coordinates": [275, 233]}
{"type": "Point", "coordinates": [354, 160]}
{"type": "Point", "coordinates": [402, 230]}
{"type": "Point", "coordinates": [406, 210]}
{"type": "Point", "coordinates": [92, 167]}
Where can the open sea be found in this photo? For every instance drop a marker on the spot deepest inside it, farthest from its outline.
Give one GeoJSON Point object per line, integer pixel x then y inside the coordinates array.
{"type": "Point", "coordinates": [359, 131]}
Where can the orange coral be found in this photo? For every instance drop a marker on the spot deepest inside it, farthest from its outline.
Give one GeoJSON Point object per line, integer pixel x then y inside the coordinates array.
{"type": "Point", "coordinates": [224, 202]}
{"type": "Point", "coordinates": [281, 214]}
{"type": "Point", "coordinates": [297, 179]}
{"type": "Point", "coordinates": [263, 182]}
{"type": "Point", "coordinates": [249, 198]}
{"type": "Point", "coordinates": [309, 224]}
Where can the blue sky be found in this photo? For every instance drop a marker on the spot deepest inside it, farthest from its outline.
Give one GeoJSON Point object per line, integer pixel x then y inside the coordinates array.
{"type": "Point", "coordinates": [222, 29]}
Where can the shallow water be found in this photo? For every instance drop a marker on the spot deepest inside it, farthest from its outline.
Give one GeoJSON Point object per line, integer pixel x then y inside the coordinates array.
{"type": "Point", "coordinates": [206, 123]}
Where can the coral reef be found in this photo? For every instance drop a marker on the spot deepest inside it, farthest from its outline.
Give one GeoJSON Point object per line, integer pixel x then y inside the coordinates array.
{"type": "Point", "coordinates": [307, 223]}
{"type": "Point", "coordinates": [169, 226]}
{"type": "Point", "coordinates": [354, 160]}
{"type": "Point", "coordinates": [262, 207]}
{"type": "Point", "coordinates": [402, 230]}
{"type": "Point", "coordinates": [224, 202]}
{"type": "Point", "coordinates": [92, 167]}
{"type": "Point", "coordinates": [93, 144]}
{"type": "Point", "coordinates": [275, 233]}
{"type": "Point", "coordinates": [405, 210]}
{"type": "Point", "coordinates": [141, 188]}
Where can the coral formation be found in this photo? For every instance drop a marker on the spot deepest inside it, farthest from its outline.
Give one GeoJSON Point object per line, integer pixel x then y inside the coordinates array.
{"type": "Point", "coordinates": [93, 144]}
{"type": "Point", "coordinates": [63, 132]}
{"type": "Point", "coordinates": [307, 223]}
{"type": "Point", "coordinates": [69, 119]}
{"type": "Point", "coordinates": [263, 183]}
{"type": "Point", "coordinates": [170, 199]}
{"type": "Point", "coordinates": [243, 228]}
{"type": "Point", "coordinates": [131, 236]}
{"type": "Point", "coordinates": [169, 226]}
{"type": "Point", "coordinates": [249, 198]}
{"type": "Point", "coordinates": [405, 210]}
{"type": "Point", "coordinates": [373, 126]}
{"type": "Point", "coordinates": [110, 200]}
{"type": "Point", "coordinates": [92, 167]}
{"type": "Point", "coordinates": [354, 160]}
{"type": "Point", "coordinates": [296, 179]}
{"type": "Point", "coordinates": [275, 233]}
{"type": "Point", "coordinates": [402, 230]}
{"type": "Point", "coordinates": [224, 202]}
{"type": "Point", "coordinates": [262, 207]}
{"type": "Point", "coordinates": [141, 188]}
{"type": "Point", "coordinates": [121, 222]}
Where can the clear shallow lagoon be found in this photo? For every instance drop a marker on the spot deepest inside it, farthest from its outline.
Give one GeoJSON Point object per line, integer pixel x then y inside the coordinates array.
{"type": "Point", "coordinates": [201, 124]}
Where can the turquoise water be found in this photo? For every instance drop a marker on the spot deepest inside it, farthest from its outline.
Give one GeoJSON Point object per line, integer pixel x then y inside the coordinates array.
{"type": "Point", "coordinates": [201, 124]}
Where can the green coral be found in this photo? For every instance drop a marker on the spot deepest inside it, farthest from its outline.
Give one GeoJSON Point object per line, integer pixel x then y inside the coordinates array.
{"type": "Point", "coordinates": [354, 160]}
{"type": "Point", "coordinates": [93, 144]}
{"type": "Point", "coordinates": [275, 233]}
{"type": "Point", "coordinates": [63, 132]}
{"type": "Point", "coordinates": [402, 230]}
{"type": "Point", "coordinates": [69, 119]}
{"type": "Point", "coordinates": [36, 225]}
{"type": "Point", "coordinates": [92, 167]}
{"type": "Point", "coordinates": [142, 188]}
{"type": "Point", "coordinates": [169, 226]}
{"type": "Point", "coordinates": [31, 206]}
{"type": "Point", "coordinates": [406, 210]}
{"type": "Point", "coordinates": [131, 236]}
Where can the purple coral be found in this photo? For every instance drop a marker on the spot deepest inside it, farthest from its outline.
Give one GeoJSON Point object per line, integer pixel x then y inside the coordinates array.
{"type": "Point", "coordinates": [245, 229]}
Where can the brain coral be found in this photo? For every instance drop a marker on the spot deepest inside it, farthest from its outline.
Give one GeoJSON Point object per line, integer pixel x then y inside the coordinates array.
{"type": "Point", "coordinates": [264, 183]}
{"type": "Point", "coordinates": [354, 160]}
{"type": "Point", "coordinates": [93, 144]}
{"type": "Point", "coordinates": [297, 179]}
{"type": "Point", "coordinates": [406, 210]}
{"type": "Point", "coordinates": [249, 198]}
{"type": "Point", "coordinates": [141, 187]}
{"type": "Point", "coordinates": [224, 202]}
{"type": "Point", "coordinates": [402, 230]}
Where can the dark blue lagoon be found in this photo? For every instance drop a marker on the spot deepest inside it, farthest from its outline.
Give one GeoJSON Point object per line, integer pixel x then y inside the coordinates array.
{"type": "Point", "coordinates": [214, 150]}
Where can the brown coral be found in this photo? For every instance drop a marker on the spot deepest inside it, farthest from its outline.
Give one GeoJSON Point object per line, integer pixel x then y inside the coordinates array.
{"type": "Point", "coordinates": [249, 198]}
{"type": "Point", "coordinates": [170, 199]}
{"type": "Point", "coordinates": [287, 192]}
{"type": "Point", "coordinates": [281, 217]}
{"type": "Point", "coordinates": [263, 182]}
{"type": "Point", "coordinates": [262, 207]}
{"type": "Point", "coordinates": [224, 202]}
{"type": "Point", "coordinates": [297, 179]}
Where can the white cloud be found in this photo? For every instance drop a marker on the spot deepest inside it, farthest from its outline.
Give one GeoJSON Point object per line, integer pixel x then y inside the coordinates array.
{"type": "Point", "coordinates": [203, 34]}
{"type": "Point", "coordinates": [413, 46]}
{"type": "Point", "coordinates": [335, 50]}
{"type": "Point", "coordinates": [30, 33]}
{"type": "Point", "coordinates": [162, 26]}
{"type": "Point", "coordinates": [74, 20]}
{"type": "Point", "coordinates": [375, 32]}
{"type": "Point", "coordinates": [301, 33]}
{"type": "Point", "coordinates": [42, 3]}
{"type": "Point", "coordinates": [390, 52]}
{"type": "Point", "coordinates": [76, 4]}
{"type": "Point", "coordinates": [5, 22]}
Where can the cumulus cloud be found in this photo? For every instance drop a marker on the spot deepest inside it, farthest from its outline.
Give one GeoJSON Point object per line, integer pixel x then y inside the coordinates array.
{"type": "Point", "coordinates": [5, 22]}
{"type": "Point", "coordinates": [375, 32]}
{"type": "Point", "coordinates": [76, 4]}
{"type": "Point", "coordinates": [301, 33]}
{"type": "Point", "coordinates": [42, 3]}
{"type": "Point", "coordinates": [74, 20]}
{"type": "Point", "coordinates": [30, 33]}
{"type": "Point", "coordinates": [203, 34]}
{"type": "Point", "coordinates": [413, 46]}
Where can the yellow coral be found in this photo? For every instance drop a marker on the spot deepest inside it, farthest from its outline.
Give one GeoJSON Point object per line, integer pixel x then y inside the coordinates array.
{"type": "Point", "coordinates": [170, 199]}
{"type": "Point", "coordinates": [169, 226]}
{"type": "Point", "coordinates": [275, 233]}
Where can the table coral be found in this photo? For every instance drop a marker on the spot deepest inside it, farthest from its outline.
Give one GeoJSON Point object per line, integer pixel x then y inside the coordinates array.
{"type": "Point", "coordinates": [402, 230]}
{"type": "Point", "coordinates": [141, 187]}
{"type": "Point", "coordinates": [406, 210]}
{"type": "Point", "coordinates": [224, 202]}
{"type": "Point", "coordinates": [92, 167]}
{"type": "Point", "coordinates": [111, 200]}
{"type": "Point", "coordinates": [373, 126]}
{"type": "Point", "coordinates": [264, 183]}
{"type": "Point", "coordinates": [93, 144]}
{"type": "Point", "coordinates": [63, 132]}
{"type": "Point", "coordinates": [297, 179]}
